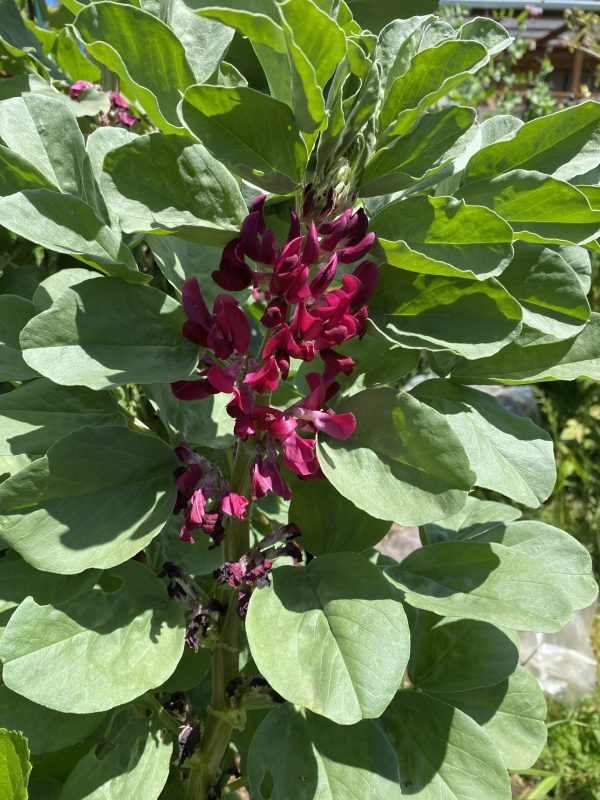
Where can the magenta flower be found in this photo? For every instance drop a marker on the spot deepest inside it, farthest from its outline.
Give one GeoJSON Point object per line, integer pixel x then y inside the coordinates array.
{"type": "Point", "coordinates": [78, 88]}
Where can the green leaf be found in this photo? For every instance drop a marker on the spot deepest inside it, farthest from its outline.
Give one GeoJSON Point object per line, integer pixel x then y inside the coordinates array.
{"type": "Point", "coordinates": [392, 466]}
{"type": "Point", "coordinates": [377, 363]}
{"type": "Point", "coordinates": [104, 333]}
{"type": "Point", "coordinates": [38, 413]}
{"type": "Point", "coordinates": [205, 41]}
{"type": "Point", "coordinates": [330, 637]}
{"type": "Point", "coordinates": [477, 516]}
{"type": "Point", "coordinates": [420, 152]}
{"type": "Point", "coordinates": [298, 754]}
{"type": "Point", "coordinates": [329, 522]}
{"type": "Point", "coordinates": [66, 224]}
{"type": "Point", "coordinates": [491, 34]}
{"type": "Point", "coordinates": [549, 291]}
{"type": "Point", "coordinates": [17, 173]}
{"type": "Point", "coordinates": [512, 713]}
{"type": "Point", "coordinates": [537, 207]}
{"type": "Point", "coordinates": [443, 236]}
{"type": "Point", "coordinates": [202, 423]}
{"type": "Point", "coordinates": [196, 197]}
{"type": "Point", "coordinates": [432, 74]}
{"type": "Point", "coordinates": [20, 579]}
{"type": "Point", "coordinates": [179, 259]}
{"type": "Point", "coordinates": [118, 36]}
{"type": "Point", "coordinates": [97, 651]}
{"type": "Point", "coordinates": [487, 582]}
{"type": "Point", "coordinates": [443, 754]}
{"type": "Point", "coordinates": [135, 762]}
{"type": "Point", "coordinates": [317, 35]}
{"type": "Point", "coordinates": [258, 20]}
{"type": "Point", "coordinates": [14, 765]}
{"type": "Point", "coordinates": [46, 730]}
{"type": "Point", "coordinates": [15, 313]}
{"type": "Point", "coordinates": [558, 554]}
{"type": "Point", "coordinates": [52, 287]}
{"type": "Point", "coordinates": [452, 655]}
{"type": "Point", "coordinates": [15, 34]}
{"type": "Point", "coordinates": [508, 453]}
{"type": "Point", "coordinates": [253, 134]}
{"type": "Point", "coordinates": [559, 361]}
{"type": "Point", "coordinates": [97, 498]}
{"type": "Point", "coordinates": [436, 312]}
{"type": "Point", "coordinates": [564, 144]}
{"type": "Point", "coordinates": [43, 131]}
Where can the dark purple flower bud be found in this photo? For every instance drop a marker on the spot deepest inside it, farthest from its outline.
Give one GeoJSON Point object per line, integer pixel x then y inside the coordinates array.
{"type": "Point", "coordinates": [322, 280]}
{"type": "Point", "coordinates": [309, 200]}
{"type": "Point", "coordinates": [230, 332]}
{"type": "Point", "coordinates": [348, 255]}
{"type": "Point", "coordinates": [126, 119]}
{"type": "Point", "coordinates": [368, 275]}
{"type": "Point", "coordinates": [233, 274]}
{"type": "Point", "coordinates": [312, 248]}
{"type": "Point", "coordinates": [199, 320]}
{"type": "Point", "coordinates": [336, 363]}
{"type": "Point", "coordinates": [256, 240]}
{"type": "Point", "coordinates": [193, 389]}
{"type": "Point", "coordinates": [275, 313]}
{"type": "Point", "coordinates": [118, 100]}
{"type": "Point", "coordinates": [294, 231]}
{"type": "Point", "coordinates": [266, 478]}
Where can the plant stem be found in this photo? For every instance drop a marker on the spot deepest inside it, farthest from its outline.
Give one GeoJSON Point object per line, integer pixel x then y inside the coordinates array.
{"type": "Point", "coordinates": [205, 764]}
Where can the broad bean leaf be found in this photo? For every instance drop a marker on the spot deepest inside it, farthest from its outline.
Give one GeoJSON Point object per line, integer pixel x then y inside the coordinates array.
{"type": "Point", "coordinates": [417, 154]}
{"type": "Point", "coordinates": [549, 291]}
{"type": "Point", "coordinates": [14, 765]}
{"type": "Point", "coordinates": [443, 236]}
{"type": "Point", "coordinates": [97, 498]}
{"type": "Point", "coordinates": [52, 287]}
{"type": "Point", "coordinates": [432, 74]}
{"type": "Point", "coordinates": [452, 655]}
{"type": "Point", "coordinates": [66, 224]}
{"type": "Point", "coordinates": [476, 516]}
{"type": "Point", "coordinates": [205, 41]}
{"type": "Point", "coordinates": [329, 522]}
{"type": "Point", "coordinates": [258, 20]}
{"type": "Point", "coordinates": [99, 650]}
{"type": "Point", "coordinates": [202, 423]}
{"type": "Point", "coordinates": [437, 312]}
{"type": "Point", "coordinates": [512, 713]}
{"type": "Point", "coordinates": [135, 762]}
{"type": "Point", "coordinates": [179, 259]}
{"type": "Point", "coordinates": [252, 133]}
{"type": "Point", "coordinates": [559, 555]}
{"type": "Point", "coordinates": [42, 130]}
{"type": "Point", "coordinates": [102, 141]}
{"type": "Point", "coordinates": [443, 754]}
{"type": "Point", "coordinates": [392, 466]}
{"type": "Point", "coordinates": [117, 35]}
{"type": "Point", "coordinates": [46, 730]}
{"type": "Point", "coordinates": [196, 198]}
{"type": "Point", "coordinates": [17, 173]}
{"type": "Point", "coordinates": [487, 582]}
{"type": "Point", "coordinates": [564, 144]}
{"type": "Point", "coordinates": [331, 637]}
{"type": "Point", "coordinates": [298, 754]}
{"type": "Point", "coordinates": [559, 361]}
{"type": "Point", "coordinates": [20, 580]}
{"type": "Point", "coordinates": [15, 313]}
{"type": "Point", "coordinates": [508, 453]}
{"type": "Point", "coordinates": [38, 413]}
{"type": "Point", "coordinates": [488, 32]}
{"type": "Point", "coordinates": [538, 208]}
{"type": "Point", "coordinates": [104, 333]}
{"type": "Point", "coordinates": [377, 363]}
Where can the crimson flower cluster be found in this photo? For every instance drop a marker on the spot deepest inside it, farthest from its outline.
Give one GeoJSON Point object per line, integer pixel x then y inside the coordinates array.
{"type": "Point", "coordinates": [305, 317]}
{"type": "Point", "coordinates": [118, 114]}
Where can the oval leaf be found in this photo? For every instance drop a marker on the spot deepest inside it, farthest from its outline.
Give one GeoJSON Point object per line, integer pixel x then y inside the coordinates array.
{"type": "Point", "coordinates": [96, 499]}
{"type": "Point", "coordinates": [392, 466]}
{"type": "Point", "coordinates": [330, 637]}
{"type": "Point", "coordinates": [98, 650]}
{"type": "Point", "coordinates": [108, 333]}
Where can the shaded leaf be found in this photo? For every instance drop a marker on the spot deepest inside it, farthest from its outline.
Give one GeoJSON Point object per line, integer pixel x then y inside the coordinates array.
{"type": "Point", "coordinates": [97, 498]}
{"type": "Point", "coordinates": [15, 313]}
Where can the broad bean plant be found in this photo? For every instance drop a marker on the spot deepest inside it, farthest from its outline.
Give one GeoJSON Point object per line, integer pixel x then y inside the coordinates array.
{"type": "Point", "coordinates": [231, 232]}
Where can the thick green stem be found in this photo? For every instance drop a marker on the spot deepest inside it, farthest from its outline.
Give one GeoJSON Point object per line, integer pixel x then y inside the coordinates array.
{"type": "Point", "coordinates": [206, 763]}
